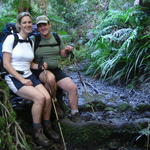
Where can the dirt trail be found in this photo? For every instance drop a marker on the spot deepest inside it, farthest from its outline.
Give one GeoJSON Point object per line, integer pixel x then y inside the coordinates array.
{"type": "Point", "coordinates": [111, 96]}
{"type": "Point", "coordinates": [110, 93]}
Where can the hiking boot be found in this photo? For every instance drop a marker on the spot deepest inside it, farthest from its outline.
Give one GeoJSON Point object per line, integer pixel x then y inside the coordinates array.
{"type": "Point", "coordinates": [76, 118]}
{"type": "Point", "coordinates": [41, 139]}
{"type": "Point", "coordinates": [50, 133]}
{"type": "Point", "coordinates": [59, 111]}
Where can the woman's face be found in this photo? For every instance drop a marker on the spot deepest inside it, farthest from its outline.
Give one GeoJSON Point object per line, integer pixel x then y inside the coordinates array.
{"type": "Point", "coordinates": [26, 24]}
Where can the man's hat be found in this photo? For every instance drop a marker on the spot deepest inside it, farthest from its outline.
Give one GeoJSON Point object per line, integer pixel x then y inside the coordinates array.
{"type": "Point", "coordinates": [42, 19]}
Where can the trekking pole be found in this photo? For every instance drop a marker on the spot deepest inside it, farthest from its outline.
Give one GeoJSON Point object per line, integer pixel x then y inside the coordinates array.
{"type": "Point", "coordinates": [82, 82]}
{"type": "Point", "coordinates": [53, 102]}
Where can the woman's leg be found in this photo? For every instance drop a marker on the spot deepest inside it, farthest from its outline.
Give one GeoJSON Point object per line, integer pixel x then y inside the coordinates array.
{"type": "Point", "coordinates": [42, 102]}
{"type": "Point", "coordinates": [48, 103]}
{"type": "Point", "coordinates": [35, 95]}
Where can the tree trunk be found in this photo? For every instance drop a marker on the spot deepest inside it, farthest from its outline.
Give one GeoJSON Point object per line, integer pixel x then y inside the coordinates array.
{"type": "Point", "coordinates": [44, 6]}
{"type": "Point", "coordinates": [24, 5]}
{"type": "Point", "coordinates": [138, 2]}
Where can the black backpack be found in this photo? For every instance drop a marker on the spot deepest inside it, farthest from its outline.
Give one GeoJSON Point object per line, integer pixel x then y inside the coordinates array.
{"type": "Point", "coordinates": [10, 28]}
{"type": "Point", "coordinates": [38, 39]}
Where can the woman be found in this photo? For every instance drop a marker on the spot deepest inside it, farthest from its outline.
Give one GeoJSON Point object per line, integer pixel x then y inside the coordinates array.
{"type": "Point", "coordinates": [23, 83]}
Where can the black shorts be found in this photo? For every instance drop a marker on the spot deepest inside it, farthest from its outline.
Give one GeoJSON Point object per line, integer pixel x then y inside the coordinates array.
{"type": "Point", "coordinates": [58, 73]}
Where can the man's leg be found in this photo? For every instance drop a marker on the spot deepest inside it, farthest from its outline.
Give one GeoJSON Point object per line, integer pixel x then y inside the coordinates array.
{"type": "Point", "coordinates": [68, 86]}
{"type": "Point", "coordinates": [49, 81]}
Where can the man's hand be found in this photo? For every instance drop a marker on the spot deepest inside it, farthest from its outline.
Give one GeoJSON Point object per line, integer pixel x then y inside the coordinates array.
{"type": "Point", "coordinates": [44, 66]}
{"type": "Point", "coordinates": [68, 49]}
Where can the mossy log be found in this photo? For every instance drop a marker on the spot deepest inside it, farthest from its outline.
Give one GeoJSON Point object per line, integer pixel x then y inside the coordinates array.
{"type": "Point", "coordinates": [93, 135]}
{"type": "Point", "coordinates": [108, 132]}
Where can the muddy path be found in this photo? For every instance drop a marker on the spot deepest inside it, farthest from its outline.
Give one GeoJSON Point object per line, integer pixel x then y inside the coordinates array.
{"type": "Point", "coordinates": [112, 96]}
{"type": "Point", "coordinates": [118, 107]}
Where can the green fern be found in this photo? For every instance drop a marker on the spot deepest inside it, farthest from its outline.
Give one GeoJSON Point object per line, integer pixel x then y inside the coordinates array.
{"type": "Point", "coordinates": [120, 50]}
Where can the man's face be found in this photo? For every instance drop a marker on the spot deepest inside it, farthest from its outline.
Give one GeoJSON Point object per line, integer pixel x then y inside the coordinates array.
{"type": "Point", "coordinates": [44, 28]}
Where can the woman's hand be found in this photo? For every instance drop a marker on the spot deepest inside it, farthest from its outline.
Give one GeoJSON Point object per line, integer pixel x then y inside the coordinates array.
{"type": "Point", "coordinates": [27, 82]}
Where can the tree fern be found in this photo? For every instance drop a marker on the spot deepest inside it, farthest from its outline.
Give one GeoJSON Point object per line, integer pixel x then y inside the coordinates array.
{"type": "Point", "coordinates": [121, 45]}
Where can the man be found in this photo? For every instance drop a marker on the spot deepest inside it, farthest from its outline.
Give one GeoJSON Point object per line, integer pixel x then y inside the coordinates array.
{"type": "Point", "coordinates": [50, 54]}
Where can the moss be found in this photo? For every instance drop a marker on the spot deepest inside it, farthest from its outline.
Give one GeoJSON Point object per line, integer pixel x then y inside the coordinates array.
{"type": "Point", "coordinates": [2, 122]}
{"type": "Point", "coordinates": [124, 107]}
{"type": "Point", "coordinates": [4, 86]}
{"type": "Point", "coordinates": [7, 119]}
{"type": "Point", "coordinates": [83, 136]}
{"type": "Point", "coordinates": [98, 105]}
{"type": "Point", "coordinates": [12, 116]}
{"type": "Point", "coordinates": [6, 141]}
{"type": "Point", "coordinates": [109, 109]}
{"type": "Point", "coordinates": [143, 107]}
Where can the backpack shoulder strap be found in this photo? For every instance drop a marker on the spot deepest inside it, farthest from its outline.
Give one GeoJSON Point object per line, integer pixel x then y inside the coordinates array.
{"type": "Point", "coordinates": [30, 42]}
{"type": "Point", "coordinates": [37, 41]}
{"type": "Point", "coordinates": [57, 38]}
{"type": "Point", "coordinates": [16, 39]}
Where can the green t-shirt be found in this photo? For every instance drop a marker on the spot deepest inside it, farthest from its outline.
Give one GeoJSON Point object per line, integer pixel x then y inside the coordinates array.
{"type": "Point", "coordinates": [49, 54]}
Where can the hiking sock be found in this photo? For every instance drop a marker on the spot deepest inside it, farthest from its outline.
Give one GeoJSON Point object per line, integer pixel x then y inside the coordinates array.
{"type": "Point", "coordinates": [37, 125]}
{"type": "Point", "coordinates": [46, 122]}
{"type": "Point", "coordinates": [73, 111]}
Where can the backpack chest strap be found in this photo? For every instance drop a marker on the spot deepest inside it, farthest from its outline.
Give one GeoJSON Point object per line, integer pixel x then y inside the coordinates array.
{"type": "Point", "coordinates": [47, 45]}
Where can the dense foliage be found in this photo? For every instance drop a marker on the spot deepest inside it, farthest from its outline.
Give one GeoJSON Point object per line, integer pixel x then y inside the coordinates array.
{"type": "Point", "coordinates": [11, 135]}
{"type": "Point", "coordinates": [120, 49]}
